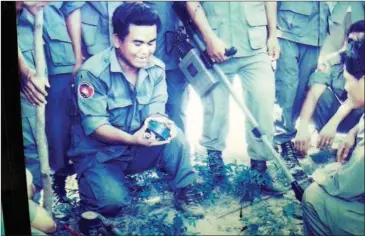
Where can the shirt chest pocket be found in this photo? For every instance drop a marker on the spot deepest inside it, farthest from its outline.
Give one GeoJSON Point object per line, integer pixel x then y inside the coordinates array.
{"type": "Point", "coordinates": [26, 44]}
{"type": "Point", "coordinates": [90, 21]}
{"type": "Point", "coordinates": [294, 17]}
{"type": "Point", "coordinates": [120, 109]}
{"type": "Point", "coordinates": [59, 46]}
{"type": "Point", "coordinates": [144, 95]}
{"type": "Point", "coordinates": [255, 13]}
{"type": "Point", "coordinates": [303, 8]}
{"type": "Point", "coordinates": [143, 101]}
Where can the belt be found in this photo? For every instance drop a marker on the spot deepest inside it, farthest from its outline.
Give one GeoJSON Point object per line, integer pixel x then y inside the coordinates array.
{"type": "Point", "coordinates": [361, 199]}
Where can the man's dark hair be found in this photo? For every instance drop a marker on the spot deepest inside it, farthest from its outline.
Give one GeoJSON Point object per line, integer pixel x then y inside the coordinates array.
{"type": "Point", "coordinates": [357, 27]}
{"type": "Point", "coordinates": [355, 59]}
{"type": "Point", "coordinates": [135, 13]}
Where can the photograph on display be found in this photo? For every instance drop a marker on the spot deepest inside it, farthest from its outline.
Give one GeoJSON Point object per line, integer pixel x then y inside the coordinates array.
{"type": "Point", "coordinates": [192, 118]}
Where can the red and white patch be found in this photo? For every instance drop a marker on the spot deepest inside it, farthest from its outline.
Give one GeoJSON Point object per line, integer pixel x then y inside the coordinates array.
{"type": "Point", "coordinates": [86, 90]}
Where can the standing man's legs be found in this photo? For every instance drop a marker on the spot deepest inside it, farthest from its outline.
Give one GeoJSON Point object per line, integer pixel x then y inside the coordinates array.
{"type": "Point", "coordinates": [32, 161]}
{"type": "Point", "coordinates": [215, 120]}
{"type": "Point", "coordinates": [257, 78]}
{"type": "Point", "coordinates": [258, 84]}
{"type": "Point", "coordinates": [177, 89]}
{"type": "Point", "coordinates": [216, 124]}
{"type": "Point", "coordinates": [308, 57]}
{"type": "Point", "coordinates": [295, 65]}
{"type": "Point", "coordinates": [58, 126]}
{"type": "Point", "coordinates": [286, 85]}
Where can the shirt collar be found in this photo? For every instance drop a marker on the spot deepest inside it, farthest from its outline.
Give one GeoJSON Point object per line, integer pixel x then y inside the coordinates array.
{"type": "Point", "coordinates": [114, 63]}
{"type": "Point", "coordinates": [115, 67]}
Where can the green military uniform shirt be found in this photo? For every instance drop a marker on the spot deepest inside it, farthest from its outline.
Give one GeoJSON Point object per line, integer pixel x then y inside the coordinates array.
{"type": "Point", "coordinates": [242, 25]}
{"type": "Point", "coordinates": [105, 97]}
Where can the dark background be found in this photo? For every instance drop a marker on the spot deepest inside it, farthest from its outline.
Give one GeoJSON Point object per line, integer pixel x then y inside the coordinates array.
{"type": "Point", "coordinates": [13, 179]}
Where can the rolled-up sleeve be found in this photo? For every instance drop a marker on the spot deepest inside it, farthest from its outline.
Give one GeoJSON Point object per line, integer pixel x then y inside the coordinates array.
{"type": "Point", "coordinates": [159, 98]}
{"type": "Point", "coordinates": [91, 100]}
{"type": "Point", "coordinates": [321, 76]}
{"type": "Point", "coordinates": [68, 7]}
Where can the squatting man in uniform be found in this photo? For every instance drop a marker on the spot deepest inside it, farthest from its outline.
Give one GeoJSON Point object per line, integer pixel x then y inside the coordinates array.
{"type": "Point", "coordinates": [334, 203]}
{"type": "Point", "coordinates": [307, 31]}
{"type": "Point", "coordinates": [119, 90]}
{"type": "Point", "coordinates": [327, 103]}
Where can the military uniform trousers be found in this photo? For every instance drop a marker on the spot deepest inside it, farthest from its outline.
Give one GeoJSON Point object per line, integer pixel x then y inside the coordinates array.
{"type": "Point", "coordinates": [327, 106]}
{"type": "Point", "coordinates": [102, 186]}
{"type": "Point", "coordinates": [59, 115]}
{"type": "Point", "coordinates": [324, 214]}
{"type": "Point", "coordinates": [257, 80]}
{"type": "Point", "coordinates": [32, 162]}
{"type": "Point", "coordinates": [294, 67]}
{"type": "Point", "coordinates": [178, 97]}
{"type": "Point", "coordinates": [29, 124]}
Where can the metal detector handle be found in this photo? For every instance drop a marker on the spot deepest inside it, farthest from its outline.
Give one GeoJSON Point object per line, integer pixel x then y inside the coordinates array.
{"type": "Point", "coordinates": [230, 52]}
{"type": "Point", "coordinates": [207, 60]}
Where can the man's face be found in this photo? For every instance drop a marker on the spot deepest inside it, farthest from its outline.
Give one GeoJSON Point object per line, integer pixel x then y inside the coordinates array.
{"type": "Point", "coordinates": [354, 36]}
{"type": "Point", "coordinates": [137, 47]}
{"type": "Point", "coordinates": [354, 88]}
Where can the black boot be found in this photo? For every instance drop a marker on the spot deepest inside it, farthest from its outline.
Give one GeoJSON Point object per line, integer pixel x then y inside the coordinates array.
{"type": "Point", "coordinates": [59, 185]}
{"type": "Point", "coordinates": [187, 199]}
{"type": "Point", "coordinates": [216, 165]}
{"type": "Point", "coordinates": [271, 184]}
{"type": "Point", "coordinates": [289, 155]}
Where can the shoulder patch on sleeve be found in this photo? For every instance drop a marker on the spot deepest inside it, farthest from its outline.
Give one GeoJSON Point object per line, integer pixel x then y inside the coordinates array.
{"type": "Point", "coordinates": [85, 90]}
